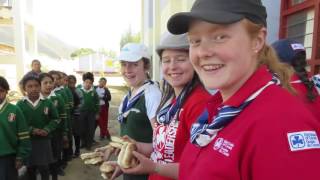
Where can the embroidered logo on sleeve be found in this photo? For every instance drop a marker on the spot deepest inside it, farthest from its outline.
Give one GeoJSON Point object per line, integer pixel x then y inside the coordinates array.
{"type": "Point", "coordinates": [303, 140]}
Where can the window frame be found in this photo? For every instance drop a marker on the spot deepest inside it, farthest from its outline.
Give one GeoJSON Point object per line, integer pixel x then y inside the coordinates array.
{"type": "Point", "coordinates": [288, 9]}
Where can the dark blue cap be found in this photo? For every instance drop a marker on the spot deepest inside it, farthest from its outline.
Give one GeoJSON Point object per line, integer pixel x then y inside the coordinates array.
{"type": "Point", "coordinates": [287, 49]}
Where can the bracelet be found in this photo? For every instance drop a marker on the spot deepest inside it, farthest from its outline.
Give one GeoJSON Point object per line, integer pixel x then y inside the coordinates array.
{"type": "Point", "coordinates": [157, 169]}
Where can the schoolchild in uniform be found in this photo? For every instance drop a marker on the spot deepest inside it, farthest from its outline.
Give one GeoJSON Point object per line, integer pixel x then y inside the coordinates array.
{"type": "Point", "coordinates": [293, 53]}
{"type": "Point", "coordinates": [58, 136]}
{"type": "Point", "coordinates": [183, 100]}
{"type": "Point", "coordinates": [258, 130]}
{"type": "Point", "coordinates": [89, 110]}
{"type": "Point", "coordinates": [15, 144]}
{"type": "Point", "coordinates": [104, 98]}
{"type": "Point", "coordinates": [137, 112]}
{"type": "Point", "coordinates": [68, 150]}
{"type": "Point", "coordinates": [58, 89]}
{"type": "Point", "coordinates": [42, 118]}
{"type": "Point", "coordinates": [75, 113]}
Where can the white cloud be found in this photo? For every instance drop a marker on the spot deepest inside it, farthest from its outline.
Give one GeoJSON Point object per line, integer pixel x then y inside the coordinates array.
{"type": "Point", "coordinates": [88, 23]}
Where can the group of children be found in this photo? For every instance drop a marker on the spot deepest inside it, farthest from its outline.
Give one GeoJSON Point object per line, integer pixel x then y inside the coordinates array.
{"type": "Point", "coordinates": [39, 130]}
{"type": "Point", "coordinates": [228, 107]}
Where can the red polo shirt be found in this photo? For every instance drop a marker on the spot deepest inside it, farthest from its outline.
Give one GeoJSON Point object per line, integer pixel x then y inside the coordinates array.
{"type": "Point", "coordinates": [301, 89]}
{"type": "Point", "coordinates": [169, 140]}
{"type": "Point", "coordinates": [274, 137]}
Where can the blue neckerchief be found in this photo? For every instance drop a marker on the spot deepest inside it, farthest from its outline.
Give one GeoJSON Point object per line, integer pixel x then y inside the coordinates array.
{"type": "Point", "coordinates": [316, 82]}
{"type": "Point", "coordinates": [203, 133]}
{"type": "Point", "coordinates": [167, 113]}
{"type": "Point", "coordinates": [128, 104]}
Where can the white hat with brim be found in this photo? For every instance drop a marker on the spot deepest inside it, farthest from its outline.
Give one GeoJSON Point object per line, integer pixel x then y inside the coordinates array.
{"type": "Point", "coordinates": [133, 52]}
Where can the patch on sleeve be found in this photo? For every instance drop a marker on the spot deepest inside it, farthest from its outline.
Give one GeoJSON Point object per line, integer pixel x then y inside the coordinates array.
{"type": "Point", "coordinates": [303, 140]}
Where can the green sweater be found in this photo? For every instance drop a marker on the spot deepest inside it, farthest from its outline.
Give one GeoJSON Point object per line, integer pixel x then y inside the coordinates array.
{"type": "Point", "coordinates": [43, 116]}
{"type": "Point", "coordinates": [69, 96]}
{"type": "Point", "coordinates": [65, 98]}
{"type": "Point", "coordinates": [59, 104]}
{"type": "Point", "coordinates": [14, 134]}
{"type": "Point", "coordinates": [89, 100]}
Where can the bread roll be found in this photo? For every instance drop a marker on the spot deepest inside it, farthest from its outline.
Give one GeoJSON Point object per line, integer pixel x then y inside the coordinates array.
{"type": "Point", "coordinates": [89, 155]}
{"type": "Point", "coordinates": [103, 148]}
{"type": "Point", "coordinates": [126, 159]}
{"type": "Point", "coordinates": [116, 145]}
{"type": "Point", "coordinates": [95, 160]}
{"type": "Point", "coordinates": [106, 168]}
{"type": "Point", "coordinates": [117, 139]}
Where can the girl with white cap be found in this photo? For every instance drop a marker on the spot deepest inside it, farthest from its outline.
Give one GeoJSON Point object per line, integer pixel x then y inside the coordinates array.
{"type": "Point", "coordinates": [258, 131]}
{"type": "Point", "coordinates": [137, 112]}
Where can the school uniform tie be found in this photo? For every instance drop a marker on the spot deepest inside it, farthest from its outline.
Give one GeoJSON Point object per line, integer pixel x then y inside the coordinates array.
{"type": "Point", "coordinates": [203, 133]}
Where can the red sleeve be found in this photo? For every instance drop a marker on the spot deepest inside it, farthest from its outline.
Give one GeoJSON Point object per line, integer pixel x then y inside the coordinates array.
{"type": "Point", "coordinates": [279, 161]}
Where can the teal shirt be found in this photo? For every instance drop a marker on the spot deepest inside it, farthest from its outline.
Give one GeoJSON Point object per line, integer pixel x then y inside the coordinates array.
{"type": "Point", "coordinates": [14, 133]}
{"type": "Point", "coordinates": [43, 116]}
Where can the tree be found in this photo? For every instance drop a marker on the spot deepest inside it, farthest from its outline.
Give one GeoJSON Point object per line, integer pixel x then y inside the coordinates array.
{"type": "Point", "coordinates": [128, 36]}
{"type": "Point", "coordinates": [82, 52]}
{"type": "Point", "coordinates": [109, 53]}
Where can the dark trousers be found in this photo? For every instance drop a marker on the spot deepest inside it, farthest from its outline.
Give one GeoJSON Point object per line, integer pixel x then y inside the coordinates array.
{"type": "Point", "coordinates": [8, 168]}
{"type": "Point", "coordinates": [76, 144]}
{"type": "Point", "coordinates": [43, 170]}
{"type": "Point", "coordinates": [56, 143]}
{"type": "Point", "coordinates": [87, 121]}
{"type": "Point", "coordinates": [54, 169]}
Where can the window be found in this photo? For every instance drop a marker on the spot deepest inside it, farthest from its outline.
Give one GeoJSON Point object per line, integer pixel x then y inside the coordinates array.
{"type": "Point", "coordinates": [300, 28]}
{"type": "Point", "coordinates": [295, 2]}
{"type": "Point", "coordinates": [299, 20]}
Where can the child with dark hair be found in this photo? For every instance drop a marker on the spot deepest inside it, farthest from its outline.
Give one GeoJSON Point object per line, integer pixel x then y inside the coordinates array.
{"type": "Point", "coordinates": [89, 110]}
{"type": "Point", "coordinates": [104, 98]}
{"type": "Point", "coordinates": [68, 151]}
{"type": "Point", "coordinates": [42, 118]}
{"type": "Point", "coordinates": [58, 89]}
{"type": "Point", "coordinates": [58, 136]}
{"type": "Point", "coordinates": [293, 53]}
{"type": "Point", "coordinates": [15, 144]}
{"type": "Point", "coordinates": [75, 113]}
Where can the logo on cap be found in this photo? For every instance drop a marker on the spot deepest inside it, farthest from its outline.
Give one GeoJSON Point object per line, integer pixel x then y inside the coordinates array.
{"type": "Point", "coordinates": [297, 46]}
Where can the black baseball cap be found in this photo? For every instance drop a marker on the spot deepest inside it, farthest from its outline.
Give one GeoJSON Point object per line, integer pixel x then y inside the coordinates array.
{"type": "Point", "coordinates": [288, 49]}
{"type": "Point", "coordinates": [218, 12]}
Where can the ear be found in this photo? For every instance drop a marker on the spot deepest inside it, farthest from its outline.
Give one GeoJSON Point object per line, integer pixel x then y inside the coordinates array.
{"type": "Point", "coordinates": [260, 40]}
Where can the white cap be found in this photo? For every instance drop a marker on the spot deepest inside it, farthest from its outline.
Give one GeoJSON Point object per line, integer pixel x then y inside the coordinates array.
{"type": "Point", "coordinates": [133, 52]}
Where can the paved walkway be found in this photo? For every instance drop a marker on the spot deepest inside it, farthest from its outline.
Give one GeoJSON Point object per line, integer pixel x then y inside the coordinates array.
{"type": "Point", "coordinates": [76, 169]}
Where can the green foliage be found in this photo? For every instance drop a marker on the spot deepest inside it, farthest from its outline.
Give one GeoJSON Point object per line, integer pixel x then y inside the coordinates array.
{"type": "Point", "coordinates": [128, 36]}
{"type": "Point", "coordinates": [82, 52]}
{"type": "Point", "coordinates": [109, 53]}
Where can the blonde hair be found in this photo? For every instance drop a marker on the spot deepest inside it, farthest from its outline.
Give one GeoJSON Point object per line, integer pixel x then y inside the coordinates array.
{"type": "Point", "coordinates": [268, 57]}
